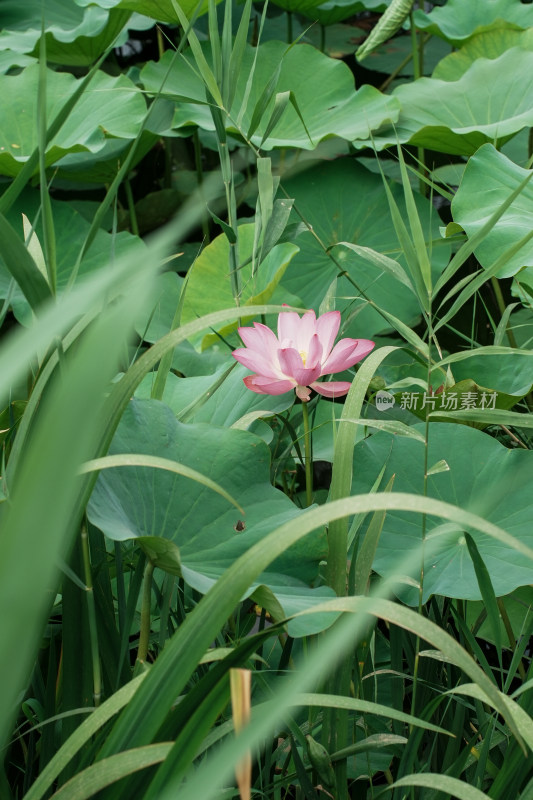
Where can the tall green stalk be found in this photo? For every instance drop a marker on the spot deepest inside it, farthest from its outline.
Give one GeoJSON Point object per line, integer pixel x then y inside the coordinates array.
{"type": "Point", "coordinates": [91, 612]}
{"type": "Point", "coordinates": [144, 635]}
{"type": "Point", "coordinates": [308, 457]}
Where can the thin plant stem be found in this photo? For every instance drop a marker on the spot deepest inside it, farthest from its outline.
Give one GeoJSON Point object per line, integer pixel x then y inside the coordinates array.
{"type": "Point", "coordinates": [417, 50]}
{"type": "Point", "coordinates": [424, 516]}
{"type": "Point", "coordinates": [91, 613]}
{"type": "Point", "coordinates": [144, 636]}
{"type": "Point", "coordinates": [131, 207]}
{"type": "Point", "coordinates": [200, 178]}
{"type": "Point", "coordinates": [501, 308]}
{"type": "Point", "coordinates": [307, 457]}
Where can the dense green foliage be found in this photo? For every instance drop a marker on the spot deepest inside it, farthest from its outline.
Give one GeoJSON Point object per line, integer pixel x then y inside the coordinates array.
{"type": "Point", "coordinates": [209, 592]}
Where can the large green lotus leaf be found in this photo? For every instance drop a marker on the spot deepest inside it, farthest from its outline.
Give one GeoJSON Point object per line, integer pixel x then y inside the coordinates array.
{"type": "Point", "coordinates": [306, 7]}
{"type": "Point", "coordinates": [488, 180]}
{"type": "Point", "coordinates": [156, 321]}
{"type": "Point", "coordinates": [484, 478]}
{"type": "Point", "coordinates": [339, 10]}
{"type": "Point", "coordinates": [70, 230]}
{"type": "Point", "coordinates": [209, 283]}
{"type": "Point", "coordinates": [74, 36]}
{"type": "Point", "coordinates": [521, 323]}
{"type": "Point", "coordinates": [102, 167]}
{"type": "Point", "coordinates": [485, 105]}
{"type": "Point", "coordinates": [10, 59]}
{"type": "Point", "coordinates": [111, 106]}
{"type": "Point", "coordinates": [457, 21]}
{"type": "Point", "coordinates": [346, 202]}
{"type": "Point", "coordinates": [518, 607]}
{"type": "Point", "coordinates": [227, 405]}
{"type": "Point", "coordinates": [323, 87]}
{"type": "Point", "coordinates": [185, 527]}
{"type": "Point", "coordinates": [511, 373]}
{"type": "Point", "coordinates": [491, 44]}
{"type": "Point", "coordinates": [162, 10]}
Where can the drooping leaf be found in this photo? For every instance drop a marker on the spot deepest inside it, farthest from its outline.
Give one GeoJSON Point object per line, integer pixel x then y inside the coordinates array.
{"type": "Point", "coordinates": [388, 25]}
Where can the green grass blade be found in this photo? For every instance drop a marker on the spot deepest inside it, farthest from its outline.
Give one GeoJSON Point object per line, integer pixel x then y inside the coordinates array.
{"type": "Point", "coordinates": [35, 531]}
{"type": "Point", "coordinates": [415, 225]}
{"type": "Point", "coordinates": [22, 266]}
{"type": "Point", "coordinates": [369, 545]}
{"type": "Point", "coordinates": [216, 770]}
{"type": "Point", "coordinates": [91, 780]}
{"type": "Point", "coordinates": [49, 237]}
{"type": "Point", "coordinates": [237, 54]}
{"type": "Point", "coordinates": [380, 261]}
{"type": "Point", "coordinates": [341, 480]}
{"type": "Point", "coordinates": [468, 248]}
{"type": "Point", "coordinates": [81, 736]}
{"type": "Point", "coordinates": [201, 62]}
{"type": "Point", "coordinates": [481, 278]}
{"type": "Point", "coordinates": [141, 460]}
{"type": "Point", "coordinates": [487, 593]}
{"type": "Point", "coordinates": [442, 783]}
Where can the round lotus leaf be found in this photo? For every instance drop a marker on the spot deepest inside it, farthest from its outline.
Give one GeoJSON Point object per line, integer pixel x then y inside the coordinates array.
{"type": "Point", "coordinates": [339, 10]}
{"type": "Point", "coordinates": [484, 477]}
{"type": "Point", "coordinates": [490, 44]}
{"type": "Point", "coordinates": [209, 286]}
{"type": "Point", "coordinates": [323, 89]}
{"type": "Point", "coordinates": [110, 106]}
{"type": "Point", "coordinates": [187, 528]}
{"type": "Point", "coordinates": [489, 179]}
{"type": "Point", "coordinates": [343, 201]}
{"type": "Point", "coordinates": [75, 35]}
{"type": "Point", "coordinates": [486, 104]}
{"type": "Point", "coordinates": [457, 21]}
{"type": "Point", "coordinates": [163, 10]}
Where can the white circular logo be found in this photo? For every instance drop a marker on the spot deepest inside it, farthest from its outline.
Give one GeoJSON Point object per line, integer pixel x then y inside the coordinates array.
{"type": "Point", "coordinates": [384, 400]}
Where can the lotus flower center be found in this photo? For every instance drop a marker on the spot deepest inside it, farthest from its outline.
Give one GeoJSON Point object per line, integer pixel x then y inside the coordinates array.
{"type": "Point", "coordinates": [303, 356]}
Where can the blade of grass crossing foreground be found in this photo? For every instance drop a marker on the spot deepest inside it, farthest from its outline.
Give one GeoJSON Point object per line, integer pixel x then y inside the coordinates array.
{"type": "Point", "coordinates": [144, 716]}
{"type": "Point", "coordinates": [416, 226]}
{"type": "Point", "coordinates": [213, 773]}
{"type": "Point", "coordinates": [468, 247]}
{"type": "Point", "coordinates": [442, 783]}
{"type": "Point", "coordinates": [35, 533]}
{"type": "Point", "coordinates": [22, 266]}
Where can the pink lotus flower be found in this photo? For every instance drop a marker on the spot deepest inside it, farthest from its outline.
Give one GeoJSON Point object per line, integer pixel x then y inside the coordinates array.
{"type": "Point", "coordinates": [301, 353]}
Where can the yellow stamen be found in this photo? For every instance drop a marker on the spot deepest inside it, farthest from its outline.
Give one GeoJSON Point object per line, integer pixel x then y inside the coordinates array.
{"type": "Point", "coordinates": [303, 356]}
